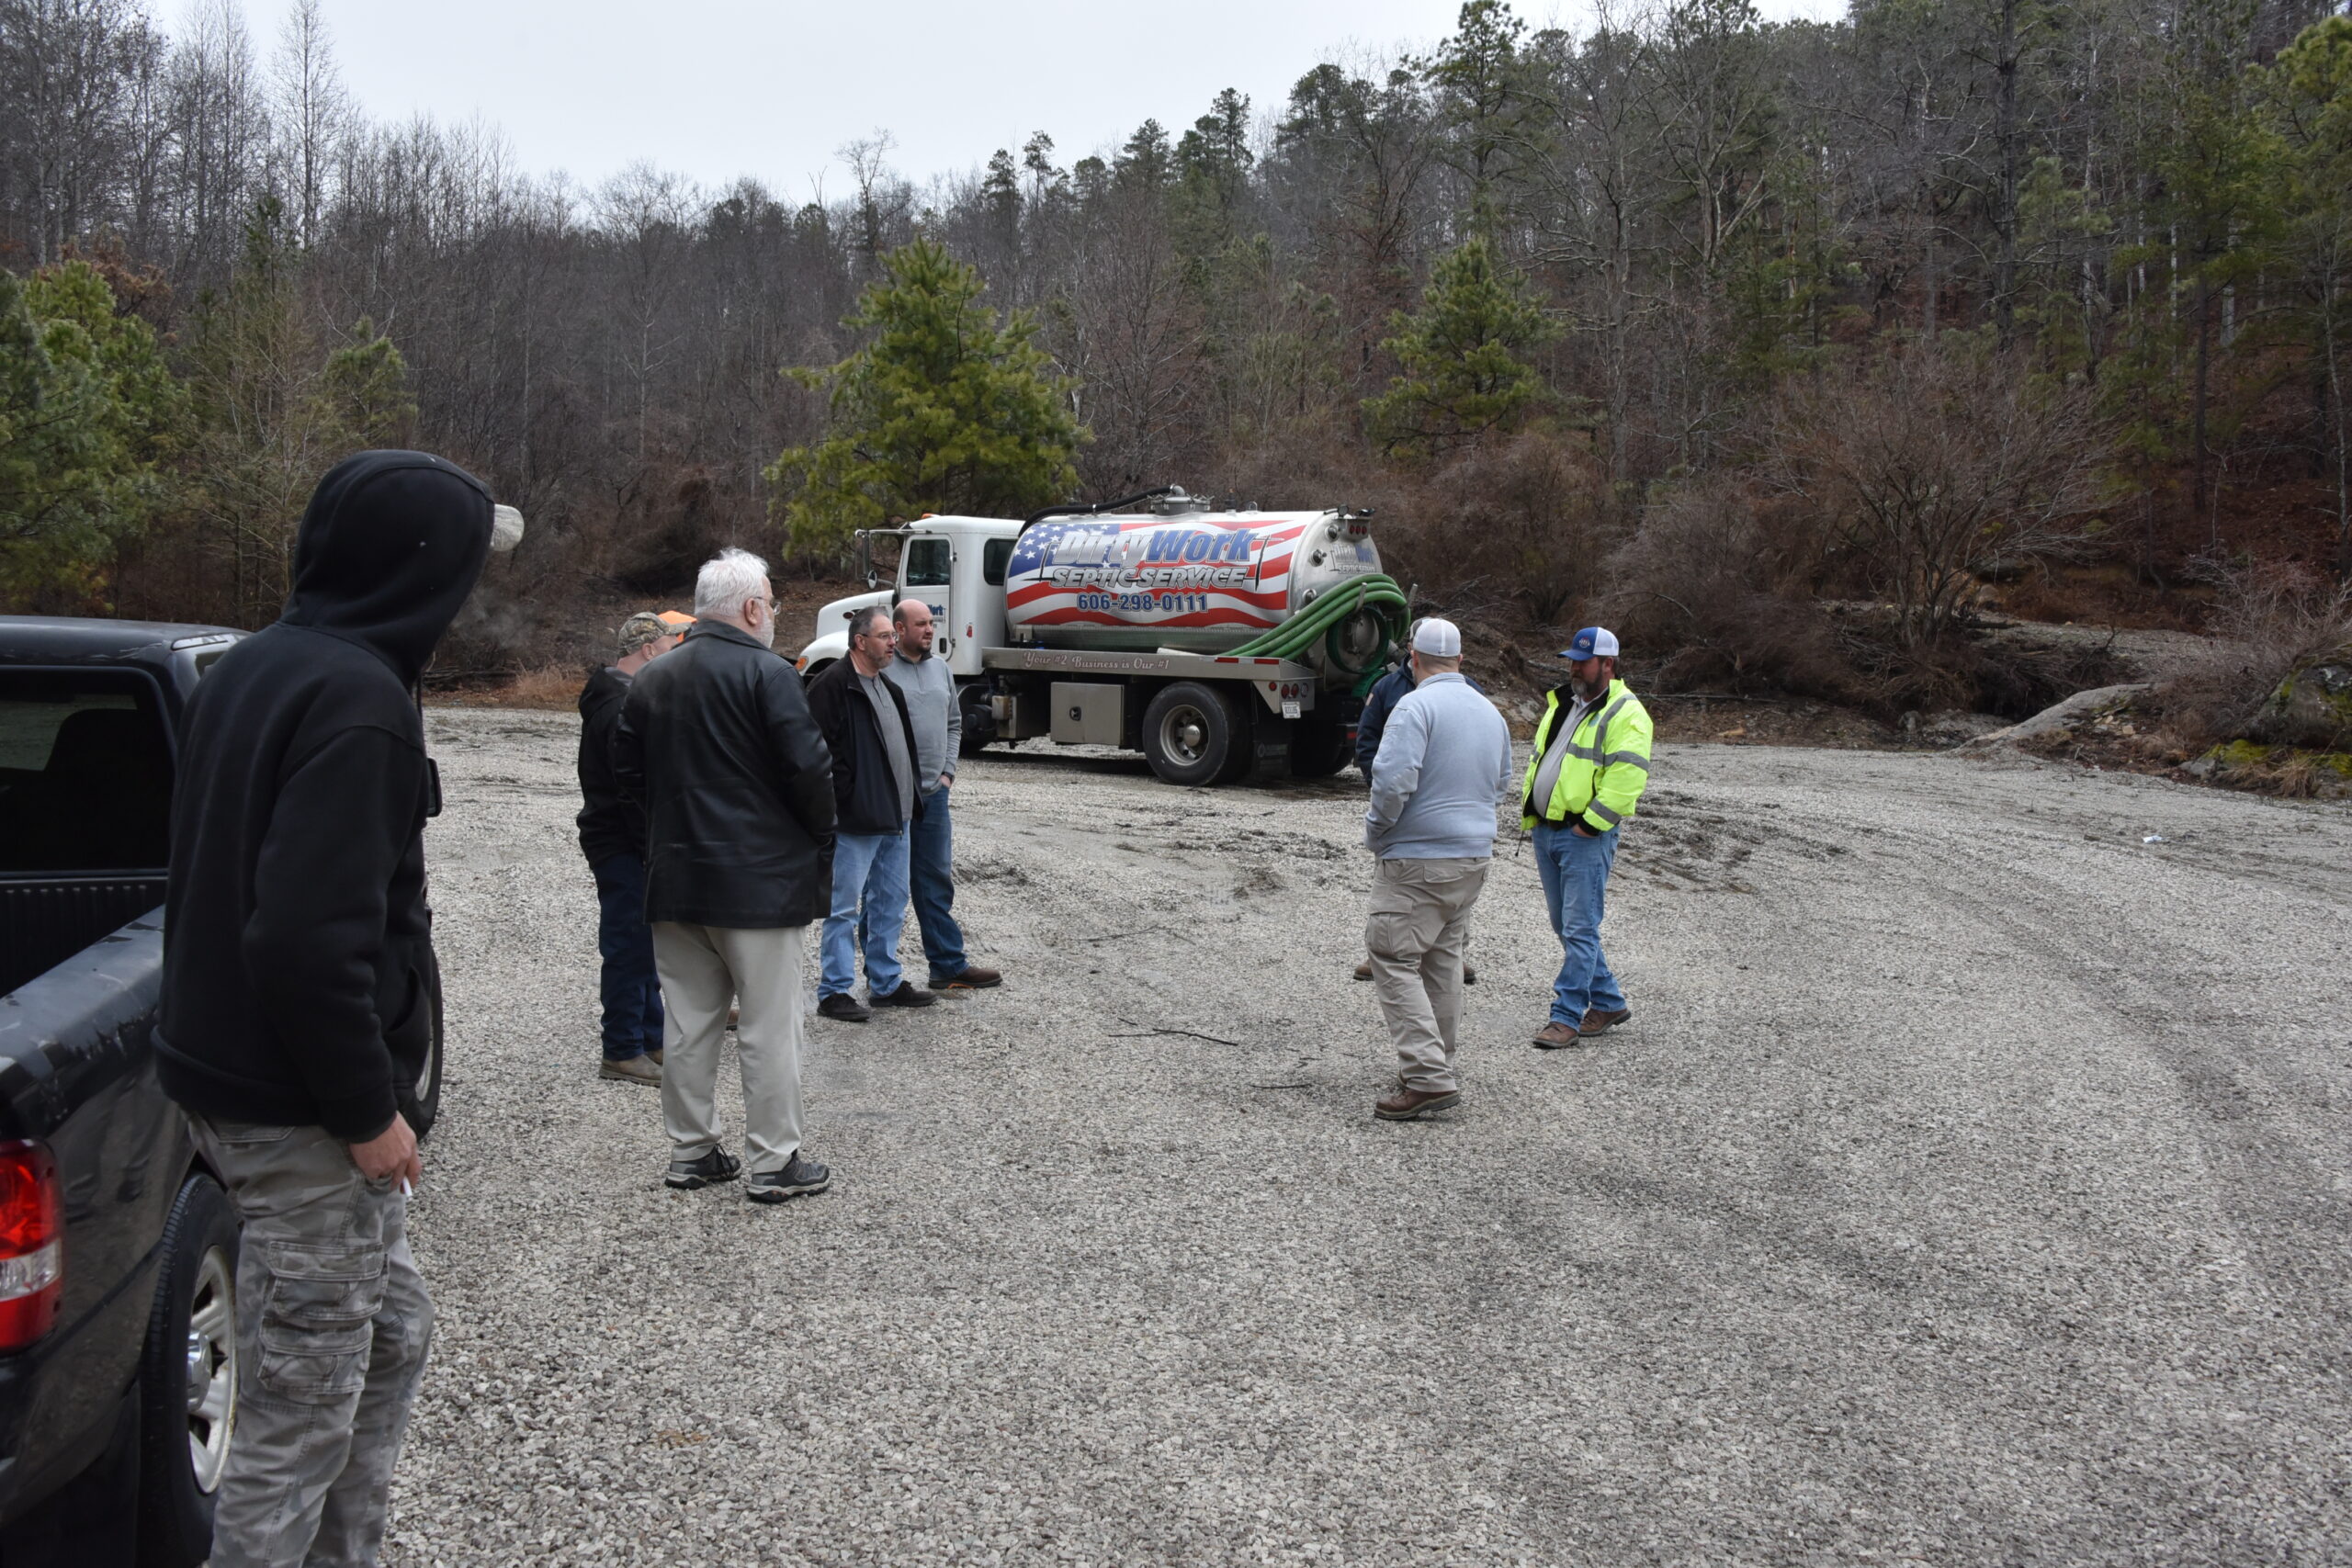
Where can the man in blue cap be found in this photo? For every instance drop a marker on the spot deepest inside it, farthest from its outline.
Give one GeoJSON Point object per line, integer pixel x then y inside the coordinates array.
{"type": "Point", "coordinates": [1591, 763]}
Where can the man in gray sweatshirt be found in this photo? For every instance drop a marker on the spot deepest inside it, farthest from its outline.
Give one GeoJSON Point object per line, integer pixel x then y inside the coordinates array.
{"type": "Point", "coordinates": [1445, 764]}
{"type": "Point", "coordinates": [938, 718]}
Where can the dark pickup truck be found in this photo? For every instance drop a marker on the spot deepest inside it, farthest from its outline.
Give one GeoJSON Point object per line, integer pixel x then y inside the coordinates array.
{"type": "Point", "coordinates": [118, 1246]}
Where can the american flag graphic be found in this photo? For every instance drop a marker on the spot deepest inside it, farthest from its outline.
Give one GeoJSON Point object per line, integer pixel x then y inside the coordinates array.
{"type": "Point", "coordinates": [1176, 572]}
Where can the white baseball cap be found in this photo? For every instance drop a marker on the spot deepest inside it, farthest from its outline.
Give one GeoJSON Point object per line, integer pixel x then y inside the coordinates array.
{"type": "Point", "coordinates": [1439, 639]}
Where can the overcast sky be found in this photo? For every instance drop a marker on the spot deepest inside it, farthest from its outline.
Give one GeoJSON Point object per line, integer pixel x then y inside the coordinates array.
{"type": "Point", "coordinates": [719, 88]}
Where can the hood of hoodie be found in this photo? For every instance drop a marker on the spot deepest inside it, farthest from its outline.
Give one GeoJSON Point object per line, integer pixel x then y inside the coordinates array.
{"type": "Point", "coordinates": [390, 545]}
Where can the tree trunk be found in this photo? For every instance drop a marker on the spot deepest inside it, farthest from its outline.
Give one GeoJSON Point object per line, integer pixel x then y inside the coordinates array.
{"type": "Point", "coordinates": [2004, 217]}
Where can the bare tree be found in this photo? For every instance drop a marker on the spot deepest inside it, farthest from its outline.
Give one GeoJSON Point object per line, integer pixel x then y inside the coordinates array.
{"type": "Point", "coordinates": [1938, 464]}
{"type": "Point", "coordinates": [311, 111]}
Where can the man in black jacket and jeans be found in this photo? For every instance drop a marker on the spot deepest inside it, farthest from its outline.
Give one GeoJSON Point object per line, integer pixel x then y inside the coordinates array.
{"type": "Point", "coordinates": [299, 989]}
{"type": "Point", "coordinates": [876, 795]}
{"type": "Point", "coordinates": [716, 740]}
{"type": "Point", "coordinates": [612, 835]}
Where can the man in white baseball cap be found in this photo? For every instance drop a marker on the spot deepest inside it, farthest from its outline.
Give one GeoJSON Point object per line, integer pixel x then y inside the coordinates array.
{"type": "Point", "coordinates": [1445, 764]}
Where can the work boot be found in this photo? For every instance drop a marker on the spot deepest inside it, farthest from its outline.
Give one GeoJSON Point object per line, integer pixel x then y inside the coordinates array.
{"type": "Point", "coordinates": [1469, 973]}
{"type": "Point", "coordinates": [971, 977]}
{"type": "Point", "coordinates": [654, 1055]}
{"type": "Point", "coordinates": [633, 1069]}
{"type": "Point", "coordinates": [843, 1006]}
{"type": "Point", "coordinates": [1407, 1104]}
{"type": "Point", "coordinates": [1596, 1023]}
{"type": "Point", "coordinates": [908, 995]}
{"type": "Point", "coordinates": [716, 1167]}
{"type": "Point", "coordinates": [799, 1178]}
{"type": "Point", "coordinates": [1363, 970]}
{"type": "Point", "coordinates": [1555, 1036]}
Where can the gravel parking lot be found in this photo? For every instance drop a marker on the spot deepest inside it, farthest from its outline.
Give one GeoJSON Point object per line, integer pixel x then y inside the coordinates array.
{"type": "Point", "coordinates": [1972, 1186]}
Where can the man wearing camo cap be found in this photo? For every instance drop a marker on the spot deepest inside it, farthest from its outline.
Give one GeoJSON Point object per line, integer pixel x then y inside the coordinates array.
{"type": "Point", "coordinates": [612, 835]}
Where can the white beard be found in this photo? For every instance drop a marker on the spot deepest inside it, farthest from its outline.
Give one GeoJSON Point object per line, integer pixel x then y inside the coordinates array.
{"type": "Point", "coordinates": [766, 632]}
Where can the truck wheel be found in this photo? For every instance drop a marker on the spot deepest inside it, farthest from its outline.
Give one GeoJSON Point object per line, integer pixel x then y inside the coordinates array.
{"type": "Point", "coordinates": [980, 723]}
{"type": "Point", "coordinates": [188, 1379]}
{"type": "Point", "coordinates": [1189, 735]}
{"type": "Point", "coordinates": [421, 1101]}
{"type": "Point", "coordinates": [1317, 750]}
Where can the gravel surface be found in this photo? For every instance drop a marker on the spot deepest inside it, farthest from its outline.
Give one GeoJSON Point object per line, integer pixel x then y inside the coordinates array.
{"type": "Point", "coordinates": [1970, 1188]}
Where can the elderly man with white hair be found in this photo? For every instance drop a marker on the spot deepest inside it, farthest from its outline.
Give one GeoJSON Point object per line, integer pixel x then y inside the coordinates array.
{"type": "Point", "coordinates": [716, 741]}
{"type": "Point", "coordinates": [1444, 765]}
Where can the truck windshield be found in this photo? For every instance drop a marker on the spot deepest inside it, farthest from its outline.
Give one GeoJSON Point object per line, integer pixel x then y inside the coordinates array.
{"type": "Point", "coordinates": [85, 773]}
{"type": "Point", "coordinates": [927, 563]}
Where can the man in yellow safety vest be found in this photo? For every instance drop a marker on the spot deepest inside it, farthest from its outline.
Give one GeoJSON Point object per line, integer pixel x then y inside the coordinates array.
{"type": "Point", "coordinates": [1591, 761]}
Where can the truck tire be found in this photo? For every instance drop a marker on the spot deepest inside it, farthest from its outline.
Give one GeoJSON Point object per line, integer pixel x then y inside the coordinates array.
{"type": "Point", "coordinates": [1190, 735]}
{"type": "Point", "coordinates": [1317, 750]}
{"type": "Point", "coordinates": [188, 1379]}
{"type": "Point", "coordinates": [980, 723]}
{"type": "Point", "coordinates": [421, 1101]}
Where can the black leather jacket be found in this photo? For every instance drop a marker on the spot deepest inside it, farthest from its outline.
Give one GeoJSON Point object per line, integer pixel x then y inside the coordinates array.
{"type": "Point", "coordinates": [716, 738]}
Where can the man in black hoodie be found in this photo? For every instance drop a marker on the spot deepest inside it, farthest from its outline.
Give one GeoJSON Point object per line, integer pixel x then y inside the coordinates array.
{"type": "Point", "coordinates": [299, 990]}
{"type": "Point", "coordinates": [612, 835]}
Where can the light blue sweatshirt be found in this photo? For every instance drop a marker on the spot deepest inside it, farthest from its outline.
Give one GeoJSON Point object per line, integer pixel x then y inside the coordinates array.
{"type": "Point", "coordinates": [1444, 765]}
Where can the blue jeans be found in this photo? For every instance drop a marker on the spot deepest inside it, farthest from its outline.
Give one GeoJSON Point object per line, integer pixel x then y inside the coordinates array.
{"type": "Point", "coordinates": [1576, 875]}
{"type": "Point", "coordinates": [632, 995]}
{"type": "Point", "coordinates": [931, 857]}
{"type": "Point", "coordinates": [869, 881]}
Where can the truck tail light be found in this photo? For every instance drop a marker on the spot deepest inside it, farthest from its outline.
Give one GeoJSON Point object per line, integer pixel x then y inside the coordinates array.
{"type": "Point", "coordinates": [32, 1245]}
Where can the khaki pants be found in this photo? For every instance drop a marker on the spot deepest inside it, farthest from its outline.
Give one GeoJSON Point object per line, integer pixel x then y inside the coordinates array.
{"type": "Point", "coordinates": [332, 1322]}
{"type": "Point", "coordinates": [702, 969]}
{"type": "Point", "coordinates": [1420, 919]}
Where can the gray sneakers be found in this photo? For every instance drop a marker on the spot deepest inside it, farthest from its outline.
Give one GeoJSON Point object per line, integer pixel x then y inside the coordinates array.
{"type": "Point", "coordinates": [800, 1177]}
{"type": "Point", "coordinates": [717, 1165]}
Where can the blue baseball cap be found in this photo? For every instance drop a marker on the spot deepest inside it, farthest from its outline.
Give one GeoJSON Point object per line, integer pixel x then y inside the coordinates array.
{"type": "Point", "coordinates": [1593, 642]}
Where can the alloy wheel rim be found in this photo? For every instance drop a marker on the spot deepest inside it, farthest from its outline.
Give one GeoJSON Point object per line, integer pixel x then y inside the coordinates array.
{"type": "Point", "coordinates": [212, 1369]}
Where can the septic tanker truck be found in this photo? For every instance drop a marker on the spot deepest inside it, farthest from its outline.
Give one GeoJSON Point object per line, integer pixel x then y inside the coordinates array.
{"type": "Point", "coordinates": [1219, 644]}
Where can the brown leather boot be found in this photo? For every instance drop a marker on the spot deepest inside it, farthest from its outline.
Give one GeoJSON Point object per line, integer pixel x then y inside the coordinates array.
{"type": "Point", "coordinates": [1408, 1103]}
{"type": "Point", "coordinates": [971, 977]}
{"type": "Point", "coordinates": [1363, 970]}
{"type": "Point", "coordinates": [1596, 1023]}
{"type": "Point", "coordinates": [1555, 1036]}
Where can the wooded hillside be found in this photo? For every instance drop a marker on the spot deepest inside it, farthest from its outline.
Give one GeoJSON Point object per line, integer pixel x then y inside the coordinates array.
{"type": "Point", "coordinates": [1701, 322]}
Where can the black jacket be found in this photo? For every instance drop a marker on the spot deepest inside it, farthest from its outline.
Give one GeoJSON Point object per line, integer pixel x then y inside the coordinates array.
{"type": "Point", "coordinates": [716, 740]}
{"type": "Point", "coordinates": [610, 822]}
{"type": "Point", "coordinates": [298, 952]}
{"type": "Point", "coordinates": [865, 795]}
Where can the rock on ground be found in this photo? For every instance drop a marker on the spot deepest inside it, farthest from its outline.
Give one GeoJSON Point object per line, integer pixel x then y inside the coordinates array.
{"type": "Point", "coordinates": [1969, 1188]}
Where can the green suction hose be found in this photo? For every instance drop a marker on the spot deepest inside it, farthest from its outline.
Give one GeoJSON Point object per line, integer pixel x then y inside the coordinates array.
{"type": "Point", "coordinates": [1325, 618]}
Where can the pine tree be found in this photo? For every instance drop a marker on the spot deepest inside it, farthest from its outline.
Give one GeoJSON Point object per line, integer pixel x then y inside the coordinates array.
{"type": "Point", "coordinates": [88, 409]}
{"type": "Point", "coordinates": [944, 411]}
{"type": "Point", "coordinates": [1464, 358]}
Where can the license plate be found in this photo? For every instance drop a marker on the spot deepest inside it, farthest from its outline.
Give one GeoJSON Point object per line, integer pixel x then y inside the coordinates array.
{"type": "Point", "coordinates": [1290, 708]}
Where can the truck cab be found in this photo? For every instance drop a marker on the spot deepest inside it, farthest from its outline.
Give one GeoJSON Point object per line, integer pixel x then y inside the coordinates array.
{"type": "Point", "coordinates": [955, 565]}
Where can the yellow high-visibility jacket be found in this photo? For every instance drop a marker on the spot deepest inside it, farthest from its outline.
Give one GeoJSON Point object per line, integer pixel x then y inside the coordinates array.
{"type": "Point", "coordinates": [1608, 763]}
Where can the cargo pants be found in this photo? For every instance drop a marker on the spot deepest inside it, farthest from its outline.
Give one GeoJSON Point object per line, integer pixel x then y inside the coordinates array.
{"type": "Point", "coordinates": [333, 1323]}
{"type": "Point", "coordinates": [1419, 923]}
